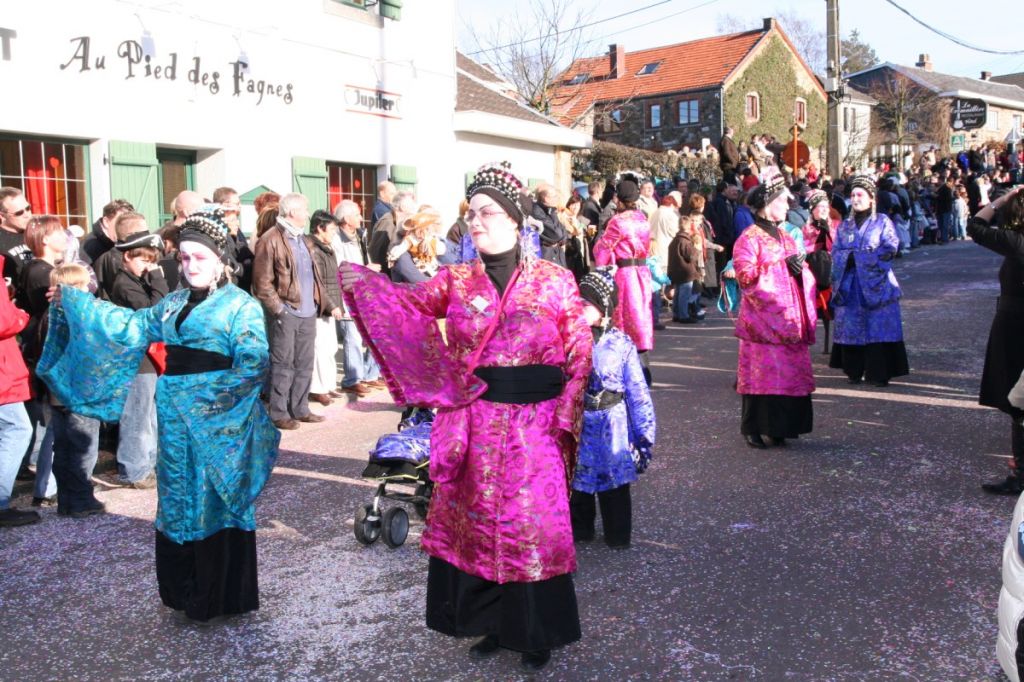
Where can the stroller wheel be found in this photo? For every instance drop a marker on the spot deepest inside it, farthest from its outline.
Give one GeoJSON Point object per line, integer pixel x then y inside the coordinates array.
{"type": "Point", "coordinates": [396, 527]}
{"type": "Point", "coordinates": [367, 527]}
{"type": "Point", "coordinates": [423, 491]}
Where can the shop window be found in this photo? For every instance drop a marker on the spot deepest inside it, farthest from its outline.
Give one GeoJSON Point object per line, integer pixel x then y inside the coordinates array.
{"type": "Point", "coordinates": [52, 174]}
{"type": "Point", "coordinates": [654, 116]}
{"type": "Point", "coordinates": [177, 174]}
{"type": "Point", "coordinates": [350, 181]}
{"type": "Point", "coordinates": [752, 107]}
{"type": "Point", "coordinates": [689, 112]}
{"type": "Point", "coordinates": [800, 111]}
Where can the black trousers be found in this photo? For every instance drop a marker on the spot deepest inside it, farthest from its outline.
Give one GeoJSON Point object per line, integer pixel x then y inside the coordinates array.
{"type": "Point", "coordinates": [524, 616]}
{"type": "Point", "coordinates": [1017, 445]}
{"type": "Point", "coordinates": [291, 364]}
{"type": "Point", "coordinates": [616, 515]}
{"type": "Point", "coordinates": [207, 578]}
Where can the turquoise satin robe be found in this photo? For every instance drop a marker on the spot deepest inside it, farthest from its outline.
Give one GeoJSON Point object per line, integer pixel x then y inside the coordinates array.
{"type": "Point", "coordinates": [217, 445]}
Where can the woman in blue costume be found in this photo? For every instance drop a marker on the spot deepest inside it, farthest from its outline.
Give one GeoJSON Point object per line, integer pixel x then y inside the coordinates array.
{"type": "Point", "coordinates": [217, 445]}
{"type": "Point", "coordinates": [868, 341]}
{"type": "Point", "coordinates": [618, 422]}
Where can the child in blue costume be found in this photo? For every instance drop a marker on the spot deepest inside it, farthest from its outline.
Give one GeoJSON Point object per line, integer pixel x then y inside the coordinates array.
{"type": "Point", "coordinates": [618, 422]}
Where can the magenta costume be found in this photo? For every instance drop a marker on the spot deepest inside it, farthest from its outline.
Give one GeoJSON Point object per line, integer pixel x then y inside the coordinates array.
{"type": "Point", "coordinates": [776, 325]}
{"type": "Point", "coordinates": [626, 243]}
{"type": "Point", "coordinates": [509, 386]}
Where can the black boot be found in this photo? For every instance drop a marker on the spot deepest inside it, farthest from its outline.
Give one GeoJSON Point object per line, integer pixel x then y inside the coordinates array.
{"type": "Point", "coordinates": [485, 648]}
{"type": "Point", "coordinates": [1011, 485]}
{"type": "Point", "coordinates": [755, 441]}
{"type": "Point", "coordinates": [616, 516]}
{"type": "Point", "coordinates": [777, 442]}
{"type": "Point", "coordinates": [534, 661]}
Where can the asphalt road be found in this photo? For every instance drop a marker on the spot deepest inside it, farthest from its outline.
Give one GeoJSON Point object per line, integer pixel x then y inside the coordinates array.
{"type": "Point", "coordinates": [865, 551]}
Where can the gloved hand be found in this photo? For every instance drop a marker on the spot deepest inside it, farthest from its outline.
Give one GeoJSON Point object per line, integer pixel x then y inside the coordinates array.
{"type": "Point", "coordinates": [641, 458]}
{"type": "Point", "coordinates": [349, 276]}
{"type": "Point", "coordinates": [886, 256]}
{"type": "Point", "coordinates": [795, 263]}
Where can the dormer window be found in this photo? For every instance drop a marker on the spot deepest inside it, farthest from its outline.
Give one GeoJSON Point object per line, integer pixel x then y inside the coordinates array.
{"type": "Point", "coordinates": [579, 79]}
{"type": "Point", "coordinates": [648, 69]}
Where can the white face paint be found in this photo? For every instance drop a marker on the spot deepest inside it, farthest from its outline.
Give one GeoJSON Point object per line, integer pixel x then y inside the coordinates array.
{"type": "Point", "coordinates": [200, 266]}
{"type": "Point", "coordinates": [860, 200]}
{"type": "Point", "coordinates": [592, 315]}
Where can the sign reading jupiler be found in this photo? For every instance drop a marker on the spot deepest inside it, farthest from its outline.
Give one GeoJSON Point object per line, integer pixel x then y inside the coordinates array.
{"type": "Point", "coordinates": [373, 102]}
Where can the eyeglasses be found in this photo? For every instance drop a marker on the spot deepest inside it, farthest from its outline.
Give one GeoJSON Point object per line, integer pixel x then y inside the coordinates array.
{"type": "Point", "coordinates": [484, 215]}
{"type": "Point", "coordinates": [18, 214]}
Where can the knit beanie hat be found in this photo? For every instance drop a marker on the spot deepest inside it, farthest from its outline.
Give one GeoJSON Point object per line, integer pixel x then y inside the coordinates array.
{"type": "Point", "coordinates": [770, 189]}
{"type": "Point", "coordinates": [598, 288]}
{"type": "Point", "coordinates": [206, 227]}
{"type": "Point", "coordinates": [816, 197]}
{"type": "Point", "coordinates": [865, 183]}
{"type": "Point", "coordinates": [497, 181]}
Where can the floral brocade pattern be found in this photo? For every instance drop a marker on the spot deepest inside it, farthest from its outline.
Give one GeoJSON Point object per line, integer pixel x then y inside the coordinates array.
{"type": "Point", "coordinates": [499, 509]}
{"type": "Point", "coordinates": [217, 445]}
{"type": "Point", "coordinates": [865, 293]}
{"type": "Point", "coordinates": [609, 436]}
{"type": "Point", "coordinates": [777, 317]}
{"type": "Point", "coordinates": [628, 236]}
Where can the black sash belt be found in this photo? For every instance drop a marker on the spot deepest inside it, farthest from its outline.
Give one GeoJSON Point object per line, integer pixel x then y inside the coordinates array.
{"type": "Point", "coordinates": [521, 385]}
{"type": "Point", "coordinates": [1010, 304]}
{"type": "Point", "coordinates": [599, 402]}
{"type": "Point", "coordinates": [630, 262]}
{"type": "Point", "coordinates": [184, 360]}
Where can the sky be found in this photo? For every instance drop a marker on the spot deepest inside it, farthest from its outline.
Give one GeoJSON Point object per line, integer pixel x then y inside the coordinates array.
{"type": "Point", "coordinates": [994, 24]}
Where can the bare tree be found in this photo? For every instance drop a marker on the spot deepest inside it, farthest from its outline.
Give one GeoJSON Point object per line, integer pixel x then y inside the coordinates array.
{"type": "Point", "coordinates": [808, 36]}
{"type": "Point", "coordinates": [532, 50]}
{"type": "Point", "coordinates": [907, 113]}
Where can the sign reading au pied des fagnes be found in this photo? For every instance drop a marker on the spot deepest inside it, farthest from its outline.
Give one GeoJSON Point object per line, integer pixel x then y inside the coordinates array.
{"type": "Point", "coordinates": [128, 58]}
{"type": "Point", "coordinates": [967, 114]}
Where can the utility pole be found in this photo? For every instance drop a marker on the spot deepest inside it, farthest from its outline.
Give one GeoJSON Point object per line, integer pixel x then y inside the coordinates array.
{"type": "Point", "coordinates": [833, 87]}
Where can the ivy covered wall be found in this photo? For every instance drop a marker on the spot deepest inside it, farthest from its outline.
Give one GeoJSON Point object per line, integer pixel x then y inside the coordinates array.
{"type": "Point", "coordinates": [774, 77]}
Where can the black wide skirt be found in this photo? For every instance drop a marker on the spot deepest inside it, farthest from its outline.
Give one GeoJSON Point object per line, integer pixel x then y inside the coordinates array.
{"type": "Point", "coordinates": [777, 416]}
{"type": "Point", "coordinates": [875, 362]}
{"type": "Point", "coordinates": [524, 616]}
{"type": "Point", "coordinates": [208, 578]}
{"type": "Point", "coordinates": [1004, 356]}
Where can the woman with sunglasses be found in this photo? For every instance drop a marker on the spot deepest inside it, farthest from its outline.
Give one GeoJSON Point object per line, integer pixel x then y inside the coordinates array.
{"type": "Point", "coordinates": [509, 387]}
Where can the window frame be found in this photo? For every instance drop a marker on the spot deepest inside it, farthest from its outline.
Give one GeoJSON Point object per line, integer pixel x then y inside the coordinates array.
{"type": "Point", "coordinates": [651, 108]}
{"type": "Point", "coordinates": [800, 107]}
{"type": "Point", "coordinates": [579, 79]}
{"type": "Point", "coordinates": [653, 66]}
{"type": "Point", "coordinates": [756, 99]}
{"type": "Point", "coordinates": [366, 198]}
{"type": "Point", "coordinates": [188, 158]}
{"type": "Point", "coordinates": [692, 103]}
{"type": "Point", "coordinates": [86, 173]}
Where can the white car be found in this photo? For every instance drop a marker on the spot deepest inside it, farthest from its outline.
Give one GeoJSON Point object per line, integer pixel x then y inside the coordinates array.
{"type": "Point", "coordinates": [1011, 597]}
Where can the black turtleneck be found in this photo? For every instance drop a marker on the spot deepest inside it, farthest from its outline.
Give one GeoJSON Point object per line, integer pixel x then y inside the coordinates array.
{"type": "Point", "coordinates": [195, 297]}
{"type": "Point", "coordinates": [768, 226]}
{"type": "Point", "coordinates": [500, 266]}
{"type": "Point", "coordinates": [860, 216]}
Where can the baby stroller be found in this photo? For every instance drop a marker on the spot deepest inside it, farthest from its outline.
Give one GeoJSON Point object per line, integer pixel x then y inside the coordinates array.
{"type": "Point", "coordinates": [398, 458]}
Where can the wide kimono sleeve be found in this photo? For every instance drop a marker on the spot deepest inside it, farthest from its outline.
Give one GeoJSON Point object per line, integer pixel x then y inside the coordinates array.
{"type": "Point", "coordinates": [398, 323]}
{"type": "Point", "coordinates": [746, 261]}
{"type": "Point", "coordinates": [578, 342]}
{"type": "Point", "coordinates": [639, 407]}
{"type": "Point", "coordinates": [93, 350]}
{"type": "Point", "coordinates": [874, 259]}
{"type": "Point", "coordinates": [604, 248]}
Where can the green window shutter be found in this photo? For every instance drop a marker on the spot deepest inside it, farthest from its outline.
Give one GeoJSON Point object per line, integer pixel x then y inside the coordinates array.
{"type": "Point", "coordinates": [391, 9]}
{"type": "Point", "coordinates": [249, 198]}
{"type": "Point", "coordinates": [404, 177]}
{"type": "Point", "coordinates": [309, 178]}
{"type": "Point", "coordinates": [534, 183]}
{"type": "Point", "coordinates": [134, 176]}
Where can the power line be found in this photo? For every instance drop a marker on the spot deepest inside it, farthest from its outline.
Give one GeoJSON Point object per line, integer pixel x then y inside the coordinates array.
{"type": "Point", "coordinates": [667, 16]}
{"type": "Point", "coordinates": [570, 30]}
{"type": "Point", "coordinates": [952, 38]}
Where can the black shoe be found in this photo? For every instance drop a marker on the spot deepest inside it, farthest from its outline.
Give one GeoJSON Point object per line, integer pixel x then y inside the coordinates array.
{"type": "Point", "coordinates": [534, 661]}
{"type": "Point", "coordinates": [44, 501]}
{"type": "Point", "coordinates": [755, 441]}
{"type": "Point", "coordinates": [1011, 485]}
{"type": "Point", "coordinates": [854, 381]}
{"type": "Point", "coordinates": [93, 508]}
{"type": "Point", "coordinates": [17, 517]}
{"type": "Point", "coordinates": [485, 648]}
{"type": "Point", "coordinates": [659, 327]}
{"type": "Point", "coordinates": [688, 320]}
{"type": "Point", "coordinates": [777, 442]}
{"type": "Point", "coordinates": [880, 384]}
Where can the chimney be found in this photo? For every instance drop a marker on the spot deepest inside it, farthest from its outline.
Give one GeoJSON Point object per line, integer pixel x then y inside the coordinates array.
{"type": "Point", "coordinates": [769, 23]}
{"type": "Point", "coordinates": [986, 75]}
{"type": "Point", "coordinates": [617, 60]}
{"type": "Point", "coordinates": [925, 62]}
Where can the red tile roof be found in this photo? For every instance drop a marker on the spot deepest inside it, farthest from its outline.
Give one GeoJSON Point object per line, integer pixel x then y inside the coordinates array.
{"type": "Point", "coordinates": [685, 66]}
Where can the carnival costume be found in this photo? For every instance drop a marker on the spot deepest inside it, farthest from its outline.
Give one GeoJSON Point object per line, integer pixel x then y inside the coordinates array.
{"type": "Point", "coordinates": [217, 445]}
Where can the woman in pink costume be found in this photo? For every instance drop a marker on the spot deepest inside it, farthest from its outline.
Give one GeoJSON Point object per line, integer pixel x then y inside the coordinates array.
{"type": "Point", "coordinates": [775, 324]}
{"type": "Point", "coordinates": [509, 387]}
{"type": "Point", "coordinates": [626, 242]}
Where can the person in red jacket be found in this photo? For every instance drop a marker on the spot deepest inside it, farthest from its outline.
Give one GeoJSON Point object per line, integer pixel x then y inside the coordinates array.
{"type": "Point", "coordinates": [15, 428]}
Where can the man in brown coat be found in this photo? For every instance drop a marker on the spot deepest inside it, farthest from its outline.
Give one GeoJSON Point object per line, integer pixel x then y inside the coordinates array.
{"type": "Point", "coordinates": [728, 154]}
{"type": "Point", "coordinates": [288, 286]}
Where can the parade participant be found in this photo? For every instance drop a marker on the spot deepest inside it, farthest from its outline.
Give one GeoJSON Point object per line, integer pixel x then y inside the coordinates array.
{"type": "Point", "coordinates": [868, 340]}
{"type": "Point", "coordinates": [818, 237]}
{"type": "Point", "coordinates": [775, 324]}
{"type": "Point", "coordinates": [1004, 355]}
{"type": "Point", "coordinates": [618, 422]}
{"type": "Point", "coordinates": [625, 243]}
{"type": "Point", "coordinates": [509, 388]}
{"type": "Point", "coordinates": [217, 445]}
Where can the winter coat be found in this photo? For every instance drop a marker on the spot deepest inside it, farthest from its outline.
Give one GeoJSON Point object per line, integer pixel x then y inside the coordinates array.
{"type": "Point", "coordinates": [628, 237]}
{"type": "Point", "coordinates": [14, 383]}
{"type": "Point", "coordinates": [683, 259]}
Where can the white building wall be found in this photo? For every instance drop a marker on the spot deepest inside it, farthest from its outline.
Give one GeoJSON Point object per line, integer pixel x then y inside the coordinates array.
{"type": "Point", "coordinates": [528, 159]}
{"type": "Point", "coordinates": [315, 46]}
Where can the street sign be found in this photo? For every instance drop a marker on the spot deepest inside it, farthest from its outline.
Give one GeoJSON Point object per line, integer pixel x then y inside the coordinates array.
{"type": "Point", "coordinates": [957, 143]}
{"type": "Point", "coordinates": [967, 114]}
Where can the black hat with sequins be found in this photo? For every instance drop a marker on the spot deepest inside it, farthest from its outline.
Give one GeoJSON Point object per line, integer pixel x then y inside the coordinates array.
{"type": "Point", "coordinates": [206, 227]}
{"type": "Point", "coordinates": [866, 183]}
{"type": "Point", "coordinates": [497, 181]}
{"type": "Point", "coordinates": [770, 189]}
{"type": "Point", "coordinates": [598, 288]}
